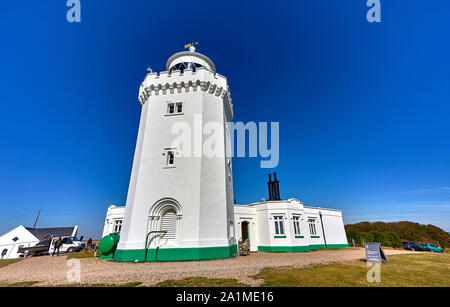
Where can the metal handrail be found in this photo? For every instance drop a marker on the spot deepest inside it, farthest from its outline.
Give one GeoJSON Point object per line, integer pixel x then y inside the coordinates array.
{"type": "Point", "coordinates": [146, 242]}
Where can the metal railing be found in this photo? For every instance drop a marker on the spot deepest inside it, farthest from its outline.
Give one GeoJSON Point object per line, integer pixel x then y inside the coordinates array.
{"type": "Point", "coordinates": [146, 243]}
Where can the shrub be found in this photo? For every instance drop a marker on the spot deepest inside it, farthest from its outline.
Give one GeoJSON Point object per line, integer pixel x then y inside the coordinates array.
{"type": "Point", "coordinates": [393, 233]}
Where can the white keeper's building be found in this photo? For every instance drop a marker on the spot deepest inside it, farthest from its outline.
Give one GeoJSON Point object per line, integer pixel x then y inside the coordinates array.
{"type": "Point", "coordinates": [180, 203]}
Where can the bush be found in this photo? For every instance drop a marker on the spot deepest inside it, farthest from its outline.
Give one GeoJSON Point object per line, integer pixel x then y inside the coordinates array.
{"type": "Point", "coordinates": [393, 233]}
{"type": "Point", "coordinates": [387, 238]}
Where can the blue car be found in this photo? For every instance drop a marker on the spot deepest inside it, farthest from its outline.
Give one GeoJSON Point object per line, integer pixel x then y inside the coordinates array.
{"type": "Point", "coordinates": [430, 247]}
{"type": "Point", "coordinates": [412, 246]}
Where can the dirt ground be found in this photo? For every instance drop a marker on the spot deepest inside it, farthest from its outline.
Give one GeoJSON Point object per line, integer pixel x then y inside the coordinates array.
{"type": "Point", "coordinates": [49, 270]}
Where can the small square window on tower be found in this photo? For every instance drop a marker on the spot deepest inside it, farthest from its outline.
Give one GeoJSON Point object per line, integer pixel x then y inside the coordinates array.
{"type": "Point", "coordinates": [171, 108]}
{"type": "Point", "coordinates": [170, 157]}
{"type": "Point", "coordinates": [174, 108]}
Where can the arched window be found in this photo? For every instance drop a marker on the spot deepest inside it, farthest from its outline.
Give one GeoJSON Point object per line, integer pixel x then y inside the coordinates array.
{"type": "Point", "coordinates": [165, 215]}
{"type": "Point", "coordinates": [169, 224]}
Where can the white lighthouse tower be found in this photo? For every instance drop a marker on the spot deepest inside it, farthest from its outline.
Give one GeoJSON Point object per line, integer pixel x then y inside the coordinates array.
{"type": "Point", "coordinates": [180, 200]}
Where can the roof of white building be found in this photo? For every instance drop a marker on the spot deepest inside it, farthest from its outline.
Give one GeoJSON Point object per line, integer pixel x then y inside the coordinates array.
{"type": "Point", "coordinates": [41, 233]}
{"type": "Point", "coordinates": [263, 202]}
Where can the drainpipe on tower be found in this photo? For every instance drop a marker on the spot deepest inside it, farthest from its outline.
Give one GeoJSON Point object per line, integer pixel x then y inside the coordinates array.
{"type": "Point", "coordinates": [323, 230]}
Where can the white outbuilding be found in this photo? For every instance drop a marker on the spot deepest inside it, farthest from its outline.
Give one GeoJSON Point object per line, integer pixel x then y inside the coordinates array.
{"type": "Point", "coordinates": [14, 239]}
{"type": "Point", "coordinates": [22, 236]}
{"type": "Point", "coordinates": [113, 220]}
{"type": "Point", "coordinates": [289, 226]}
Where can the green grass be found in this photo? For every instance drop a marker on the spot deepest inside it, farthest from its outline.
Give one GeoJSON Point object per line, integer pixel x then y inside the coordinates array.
{"type": "Point", "coordinates": [81, 255]}
{"type": "Point", "coordinates": [412, 270]}
{"type": "Point", "coordinates": [5, 262]}
{"type": "Point", "coordinates": [19, 284]}
{"type": "Point", "coordinates": [201, 282]}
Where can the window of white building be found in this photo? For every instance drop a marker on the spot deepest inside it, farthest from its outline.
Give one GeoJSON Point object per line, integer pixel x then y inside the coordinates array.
{"type": "Point", "coordinates": [296, 221]}
{"type": "Point", "coordinates": [117, 226]}
{"type": "Point", "coordinates": [312, 226]}
{"type": "Point", "coordinates": [279, 227]}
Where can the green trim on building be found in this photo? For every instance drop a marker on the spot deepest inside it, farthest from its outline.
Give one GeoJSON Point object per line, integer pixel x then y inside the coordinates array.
{"type": "Point", "coordinates": [279, 237]}
{"type": "Point", "coordinates": [175, 254]}
{"type": "Point", "coordinates": [315, 236]}
{"type": "Point", "coordinates": [299, 237]}
{"type": "Point", "coordinates": [317, 246]}
{"type": "Point", "coordinates": [337, 245]}
{"type": "Point", "coordinates": [272, 249]}
{"type": "Point", "coordinates": [304, 248]}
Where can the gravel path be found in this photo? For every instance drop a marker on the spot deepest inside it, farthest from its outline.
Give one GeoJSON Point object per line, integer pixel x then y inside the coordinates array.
{"type": "Point", "coordinates": [52, 270]}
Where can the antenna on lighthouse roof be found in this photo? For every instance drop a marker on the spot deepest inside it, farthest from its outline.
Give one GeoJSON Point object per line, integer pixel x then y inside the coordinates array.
{"type": "Point", "coordinates": [191, 46]}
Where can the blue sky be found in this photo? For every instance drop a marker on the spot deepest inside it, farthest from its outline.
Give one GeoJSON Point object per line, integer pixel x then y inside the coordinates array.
{"type": "Point", "coordinates": [363, 108]}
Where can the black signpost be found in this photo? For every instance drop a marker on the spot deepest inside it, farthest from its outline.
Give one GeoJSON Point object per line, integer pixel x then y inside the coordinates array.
{"type": "Point", "coordinates": [374, 252]}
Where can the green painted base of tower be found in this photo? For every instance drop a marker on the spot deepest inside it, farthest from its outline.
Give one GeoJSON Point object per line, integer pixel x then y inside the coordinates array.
{"type": "Point", "coordinates": [175, 254]}
{"type": "Point", "coordinates": [306, 248]}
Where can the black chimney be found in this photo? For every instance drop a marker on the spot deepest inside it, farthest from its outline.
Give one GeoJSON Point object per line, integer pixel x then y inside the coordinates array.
{"type": "Point", "coordinates": [270, 185]}
{"type": "Point", "coordinates": [276, 187]}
